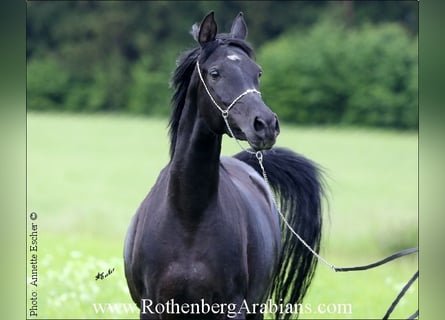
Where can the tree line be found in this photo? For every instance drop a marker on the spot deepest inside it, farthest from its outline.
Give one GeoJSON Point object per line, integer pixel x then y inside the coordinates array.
{"type": "Point", "coordinates": [346, 62]}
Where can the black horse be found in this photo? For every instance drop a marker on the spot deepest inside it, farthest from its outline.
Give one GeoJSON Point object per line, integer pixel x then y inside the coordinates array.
{"type": "Point", "coordinates": [209, 233]}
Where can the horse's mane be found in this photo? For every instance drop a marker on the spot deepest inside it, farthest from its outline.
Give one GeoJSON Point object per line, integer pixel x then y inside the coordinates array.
{"type": "Point", "coordinates": [182, 75]}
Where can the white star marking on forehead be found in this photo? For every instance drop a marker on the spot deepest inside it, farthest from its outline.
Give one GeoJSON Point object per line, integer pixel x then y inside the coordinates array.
{"type": "Point", "coordinates": [234, 57]}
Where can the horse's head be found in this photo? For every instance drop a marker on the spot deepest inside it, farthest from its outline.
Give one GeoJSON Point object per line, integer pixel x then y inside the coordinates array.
{"type": "Point", "coordinates": [229, 80]}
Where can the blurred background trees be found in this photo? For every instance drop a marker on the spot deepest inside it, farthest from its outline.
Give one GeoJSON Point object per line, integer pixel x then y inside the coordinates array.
{"type": "Point", "coordinates": [325, 62]}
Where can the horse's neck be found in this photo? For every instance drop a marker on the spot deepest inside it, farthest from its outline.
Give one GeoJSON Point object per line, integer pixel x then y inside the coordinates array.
{"type": "Point", "coordinates": [194, 168]}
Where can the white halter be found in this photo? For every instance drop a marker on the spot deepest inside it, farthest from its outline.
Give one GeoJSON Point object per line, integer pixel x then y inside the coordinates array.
{"type": "Point", "coordinates": [225, 112]}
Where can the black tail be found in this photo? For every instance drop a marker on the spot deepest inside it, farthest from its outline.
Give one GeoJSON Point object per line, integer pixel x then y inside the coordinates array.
{"type": "Point", "coordinates": [296, 182]}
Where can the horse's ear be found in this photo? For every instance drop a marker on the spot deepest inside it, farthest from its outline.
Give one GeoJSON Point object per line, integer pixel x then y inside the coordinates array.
{"type": "Point", "coordinates": [239, 27]}
{"type": "Point", "coordinates": [207, 30]}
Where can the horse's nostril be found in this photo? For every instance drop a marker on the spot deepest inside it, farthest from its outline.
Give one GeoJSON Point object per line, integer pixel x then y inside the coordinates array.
{"type": "Point", "coordinates": [259, 124]}
{"type": "Point", "coordinates": [277, 125]}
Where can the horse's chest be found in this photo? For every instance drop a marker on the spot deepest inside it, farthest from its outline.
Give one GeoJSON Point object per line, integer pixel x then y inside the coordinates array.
{"type": "Point", "coordinates": [202, 261]}
{"type": "Point", "coordinates": [213, 242]}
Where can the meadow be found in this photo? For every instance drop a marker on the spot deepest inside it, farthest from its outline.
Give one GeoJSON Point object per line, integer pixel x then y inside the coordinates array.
{"type": "Point", "coordinates": [87, 174]}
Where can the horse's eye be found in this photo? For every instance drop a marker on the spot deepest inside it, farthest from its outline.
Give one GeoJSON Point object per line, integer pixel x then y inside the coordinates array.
{"type": "Point", "coordinates": [214, 74]}
{"type": "Point", "coordinates": [260, 74]}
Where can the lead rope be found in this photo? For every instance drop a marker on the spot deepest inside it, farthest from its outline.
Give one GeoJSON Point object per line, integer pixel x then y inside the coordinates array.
{"type": "Point", "coordinates": [259, 156]}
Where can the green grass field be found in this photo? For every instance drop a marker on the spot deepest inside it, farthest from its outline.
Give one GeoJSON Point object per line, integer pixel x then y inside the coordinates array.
{"type": "Point", "coordinates": [87, 174]}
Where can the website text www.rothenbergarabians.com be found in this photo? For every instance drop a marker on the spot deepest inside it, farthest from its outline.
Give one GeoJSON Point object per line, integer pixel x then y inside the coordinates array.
{"type": "Point", "coordinates": [231, 310]}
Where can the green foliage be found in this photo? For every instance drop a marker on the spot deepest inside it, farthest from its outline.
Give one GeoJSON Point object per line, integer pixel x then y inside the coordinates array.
{"type": "Point", "coordinates": [149, 92]}
{"type": "Point", "coordinates": [118, 56]}
{"type": "Point", "coordinates": [364, 76]}
{"type": "Point", "coordinates": [47, 84]}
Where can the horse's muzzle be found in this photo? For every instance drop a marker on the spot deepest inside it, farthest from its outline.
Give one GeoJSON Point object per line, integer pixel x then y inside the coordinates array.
{"type": "Point", "coordinates": [265, 129]}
